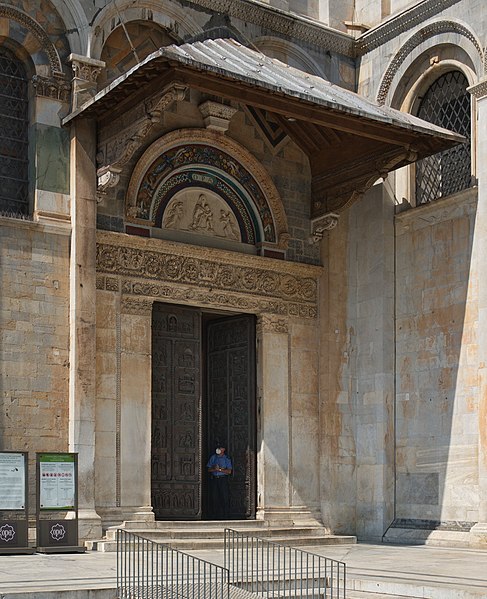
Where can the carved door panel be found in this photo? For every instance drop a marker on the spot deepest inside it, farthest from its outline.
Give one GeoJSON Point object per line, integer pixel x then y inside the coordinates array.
{"type": "Point", "coordinates": [176, 413]}
{"type": "Point", "coordinates": [231, 405]}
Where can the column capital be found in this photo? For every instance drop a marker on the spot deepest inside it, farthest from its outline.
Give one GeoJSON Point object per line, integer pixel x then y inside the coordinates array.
{"type": "Point", "coordinates": [86, 71]}
{"type": "Point", "coordinates": [479, 90]}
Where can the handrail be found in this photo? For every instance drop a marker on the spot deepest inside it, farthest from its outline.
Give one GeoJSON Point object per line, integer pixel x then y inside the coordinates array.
{"type": "Point", "coordinates": [274, 570]}
{"type": "Point", "coordinates": [150, 570]}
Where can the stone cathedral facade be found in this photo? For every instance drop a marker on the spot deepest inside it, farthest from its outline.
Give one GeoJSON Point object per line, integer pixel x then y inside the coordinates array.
{"type": "Point", "coordinates": [262, 225]}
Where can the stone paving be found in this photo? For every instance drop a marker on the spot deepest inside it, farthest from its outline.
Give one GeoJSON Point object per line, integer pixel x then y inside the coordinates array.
{"type": "Point", "coordinates": [372, 571]}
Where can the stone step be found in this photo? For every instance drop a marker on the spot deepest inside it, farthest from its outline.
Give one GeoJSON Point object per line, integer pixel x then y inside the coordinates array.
{"type": "Point", "coordinates": [217, 532]}
{"type": "Point", "coordinates": [195, 544]}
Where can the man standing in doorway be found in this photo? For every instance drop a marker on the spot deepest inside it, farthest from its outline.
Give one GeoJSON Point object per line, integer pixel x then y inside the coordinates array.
{"type": "Point", "coordinates": [220, 467]}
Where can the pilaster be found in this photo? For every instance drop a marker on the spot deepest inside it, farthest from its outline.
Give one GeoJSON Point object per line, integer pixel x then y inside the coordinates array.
{"type": "Point", "coordinates": [479, 91]}
{"type": "Point", "coordinates": [273, 468]}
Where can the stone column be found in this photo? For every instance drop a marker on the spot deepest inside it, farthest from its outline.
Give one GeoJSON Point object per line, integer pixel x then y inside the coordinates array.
{"type": "Point", "coordinates": [479, 92]}
{"type": "Point", "coordinates": [82, 390]}
{"type": "Point", "coordinates": [273, 488]}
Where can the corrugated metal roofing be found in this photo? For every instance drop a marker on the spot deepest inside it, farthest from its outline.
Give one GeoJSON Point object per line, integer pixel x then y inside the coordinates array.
{"type": "Point", "coordinates": [228, 58]}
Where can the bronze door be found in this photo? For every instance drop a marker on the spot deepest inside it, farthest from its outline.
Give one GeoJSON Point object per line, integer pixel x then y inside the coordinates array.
{"type": "Point", "coordinates": [230, 402]}
{"type": "Point", "coordinates": [176, 413]}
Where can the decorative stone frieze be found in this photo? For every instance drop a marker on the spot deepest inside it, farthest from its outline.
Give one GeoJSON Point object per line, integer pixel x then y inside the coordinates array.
{"type": "Point", "coordinates": [120, 149]}
{"type": "Point", "coordinates": [216, 116]}
{"type": "Point", "coordinates": [56, 88]}
{"type": "Point", "coordinates": [400, 24]}
{"type": "Point", "coordinates": [131, 305]}
{"type": "Point", "coordinates": [437, 28]}
{"type": "Point", "coordinates": [272, 324]}
{"type": "Point", "coordinates": [167, 271]}
{"type": "Point", "coordinates": [85, 71]}
{"type": "Point", "coordinates": [289, 25]}
{"type": "Point", "coordinates": [479, 90]}
{"type": "Point", "coordinates": [327, 222]}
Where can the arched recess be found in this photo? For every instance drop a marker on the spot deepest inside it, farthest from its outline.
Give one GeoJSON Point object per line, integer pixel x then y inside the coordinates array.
{"type": "Point", "coordinates": [120, 55]}
{"type": "Point", "coordinates": [188, 174]}
{"type": "Point", "coordinates": [288, 53]}
{"type": "Point", "coordinates": [174, 19]}
{"type": "Point", "coordinates": [438, 33]}
{"type": "Point", "coordinates": [27, 32]}
{"type": "Point", "coordinates": [416, 78]}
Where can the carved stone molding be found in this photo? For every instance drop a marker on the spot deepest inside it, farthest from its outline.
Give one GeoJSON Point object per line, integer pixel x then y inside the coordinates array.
{"type": "Point", "coordinates": [118, 151]}
{"type": "Point", "coordinates": [403, 22]}
{"type": "Point", "coordinates": [290, 25]}
{"type": "Point", "coordinates": [415, 40]}
{"type": "Point", "coordinates": [9, 12]}
{"type": "Point", "coordinates": [479, 90]}
{"type": "Point", "coordinates": [56, 88]}
{"type": "Point", "coordinates": [107, 283]}
{"type": "Point", "coordinates": [327, 222]}
{"type": "Point", "coordinates": [167, 271]}
{"type": "Point", "coordinates": [216, 116]}
{"type": "Point", "coordinates": [272, 324]}
{"type": "Point", "coordinates": [142, 307]}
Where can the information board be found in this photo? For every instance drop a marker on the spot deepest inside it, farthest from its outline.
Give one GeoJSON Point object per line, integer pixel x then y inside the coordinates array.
{"type": "Point", "coordinates": [57, 481]}
{"type": "Point", "coordinates": [12, 481]}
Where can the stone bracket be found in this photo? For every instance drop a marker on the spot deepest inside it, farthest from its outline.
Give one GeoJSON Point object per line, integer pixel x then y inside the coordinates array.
{"type": "Point", "coordinates": [319, 225]}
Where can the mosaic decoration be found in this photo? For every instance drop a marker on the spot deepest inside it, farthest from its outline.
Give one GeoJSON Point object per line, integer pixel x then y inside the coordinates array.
{"type": "Point", "coordinates": [205, 167]}
{"type": "Point", "coordinates": [268, 125]}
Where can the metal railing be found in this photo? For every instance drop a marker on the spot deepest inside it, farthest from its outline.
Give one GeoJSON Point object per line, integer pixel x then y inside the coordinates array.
{"type": "Point", "coordinates": [150, 570]}
{"type": "Point", "coordinates": [273, 570]}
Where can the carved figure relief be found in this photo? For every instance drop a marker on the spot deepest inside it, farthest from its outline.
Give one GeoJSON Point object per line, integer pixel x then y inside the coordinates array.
{"type": "Point", "coordinates": [203, 212]}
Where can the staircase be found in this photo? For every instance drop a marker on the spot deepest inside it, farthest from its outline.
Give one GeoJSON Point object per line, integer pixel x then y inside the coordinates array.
{"type": "Point", "coordinates": [205, 534]}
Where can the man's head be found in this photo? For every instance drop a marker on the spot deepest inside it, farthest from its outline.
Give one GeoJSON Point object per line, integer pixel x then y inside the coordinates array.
{"type": "Point", "coordinates": [220, 450]}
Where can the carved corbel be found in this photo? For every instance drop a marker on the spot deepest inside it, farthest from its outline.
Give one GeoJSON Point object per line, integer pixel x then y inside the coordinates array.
{"type": "Point", "coordinates": [319, 225]}
{"type": "Point", "coordinates": [123, 147]}
{"type": "Point", "coordinates": [216, 116]}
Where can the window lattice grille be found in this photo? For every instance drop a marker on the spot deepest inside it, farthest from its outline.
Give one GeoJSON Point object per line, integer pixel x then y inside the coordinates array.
{"type": "Point", "coordinates": [14, 198]}
{"type": "Point", "coordinates": [447, 104]}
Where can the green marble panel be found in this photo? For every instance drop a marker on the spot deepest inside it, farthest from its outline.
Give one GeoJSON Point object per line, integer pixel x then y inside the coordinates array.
{"type": "Point", "coordinates": [52, 158]}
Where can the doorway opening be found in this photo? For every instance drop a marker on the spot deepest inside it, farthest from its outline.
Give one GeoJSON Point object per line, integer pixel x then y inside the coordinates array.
{"type": "Point", "coordinates": [203, 395]}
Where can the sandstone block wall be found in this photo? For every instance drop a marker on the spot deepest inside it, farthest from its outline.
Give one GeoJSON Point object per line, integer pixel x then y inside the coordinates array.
{"type": "Point", "coordinates": [34, 339]}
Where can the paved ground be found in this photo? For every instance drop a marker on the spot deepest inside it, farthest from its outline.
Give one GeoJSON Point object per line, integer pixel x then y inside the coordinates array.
{"type": "Point", "coordinates": [408, 571]}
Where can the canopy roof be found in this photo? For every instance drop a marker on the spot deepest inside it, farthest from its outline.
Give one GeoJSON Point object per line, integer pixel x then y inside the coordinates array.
{"type": "Point", "coordinates": [347, 137]}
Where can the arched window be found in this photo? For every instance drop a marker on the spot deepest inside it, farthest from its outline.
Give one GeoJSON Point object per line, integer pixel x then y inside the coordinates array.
{"type": "Point", "coordinates": [446, 103]}
{"type": "Point", "coordinates": [14, 186]}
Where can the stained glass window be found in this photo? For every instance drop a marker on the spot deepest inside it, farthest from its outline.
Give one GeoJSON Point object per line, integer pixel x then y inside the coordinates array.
{"type": "Point", "coordinates": [447, 104]}
{"type": "Point", "coordinates": [14, 198]}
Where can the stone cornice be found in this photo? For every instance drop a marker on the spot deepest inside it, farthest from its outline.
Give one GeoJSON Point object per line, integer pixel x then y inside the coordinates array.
{"type": "Point", "coordinates": [400, 24]}
{"type": "Point", "coordinates": [458, 205]}
{"type": "Point", "coordinates": [167, 271]}
{"type": "Point", "coordinates": [293, 26]}
{"type": "Point", "coordinates": [479, 90]}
